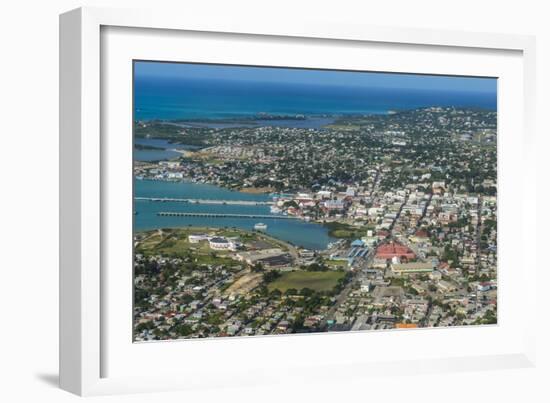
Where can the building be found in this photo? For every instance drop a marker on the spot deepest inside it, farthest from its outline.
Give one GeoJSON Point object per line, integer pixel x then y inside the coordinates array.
{"type": "Point", "coordinates": [169, 164]}
{"type": "Point", "coordinates": [219, 243]}
{"type": "Point", "coordinates": [446, 286]}
{"type": "Point", "coordinates": [196, 238]}
{"type": "Point", "coordinates": [406, 325]}
{"type": "Point", "coordinates": [276, 261]}
{"type": "Point", "coordinates": [420, 236]}
{"type": "Point", "coordinates": [412, 268]}
{"type": "Point", "coordinates": [394, 249]}
{"type": "Point", "coordinates": [251, 257]}
{"type": "Point", "coordinates": [334, 205]}
{"type": "Point", "coordinates": [365, 287]}
{"type": "Point", "coordinates": [485, 286]}
{"type": "Point", "coordinates": [358, 243]}
{"type": "Point", "coordinates": [306, 254]}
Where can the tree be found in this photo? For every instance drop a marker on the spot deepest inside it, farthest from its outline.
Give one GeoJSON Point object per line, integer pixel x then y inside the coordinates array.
{"type": "Point", "coordinates": [182, 329]}
{"type": "Point", "coordinates": [258, 267]}
{"type": "Point", "coordinates": [276, 293]}
{"type": "Point", "coordinates": [271, 275]}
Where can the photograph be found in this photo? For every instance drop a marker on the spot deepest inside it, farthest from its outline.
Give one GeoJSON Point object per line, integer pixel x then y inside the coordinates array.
{"type": "Point", "coordinates": [286, 200]}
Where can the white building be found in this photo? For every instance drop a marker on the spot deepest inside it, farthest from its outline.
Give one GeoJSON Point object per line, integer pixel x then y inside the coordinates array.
{"type": "Point", "coordinates": [219, 243]}
{"type": "Point", "coordinates": [196, 238]}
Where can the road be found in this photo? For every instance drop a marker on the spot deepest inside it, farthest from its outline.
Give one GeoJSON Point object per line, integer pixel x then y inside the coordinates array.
{"type": "Point", "coordinates": [358, 275]}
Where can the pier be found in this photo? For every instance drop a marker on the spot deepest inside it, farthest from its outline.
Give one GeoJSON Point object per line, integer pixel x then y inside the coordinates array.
{"type": "Point", "coordinates": [224, 215]}
{"type": "Point", "coordinates": [206, 201]}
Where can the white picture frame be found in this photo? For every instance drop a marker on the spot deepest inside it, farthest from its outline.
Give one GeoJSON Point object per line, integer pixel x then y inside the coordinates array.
{"type": "Point", "coordinates": [84, 308]}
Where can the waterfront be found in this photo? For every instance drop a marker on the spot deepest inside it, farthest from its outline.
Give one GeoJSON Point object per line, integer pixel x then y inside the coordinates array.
{"type": "Point", "coordinates": [298, 232]}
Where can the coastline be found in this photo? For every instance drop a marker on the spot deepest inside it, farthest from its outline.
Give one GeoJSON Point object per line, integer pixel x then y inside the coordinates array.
{"type": "Point", "coordinates": [254, 190]}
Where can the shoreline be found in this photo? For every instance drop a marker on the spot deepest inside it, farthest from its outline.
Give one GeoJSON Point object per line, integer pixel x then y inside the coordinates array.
{"type": "Point", "coordinates": [250, 120]}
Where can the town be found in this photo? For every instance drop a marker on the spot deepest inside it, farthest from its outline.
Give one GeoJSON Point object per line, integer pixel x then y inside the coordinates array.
{"type": "Point", "coordinates": [409, 198]}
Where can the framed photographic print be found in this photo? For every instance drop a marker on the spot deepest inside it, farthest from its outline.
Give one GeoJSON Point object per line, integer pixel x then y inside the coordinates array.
{"type": "Point", "coordinates": [275, 201]}
{"type": "Point", "coordinates": [282, 198]}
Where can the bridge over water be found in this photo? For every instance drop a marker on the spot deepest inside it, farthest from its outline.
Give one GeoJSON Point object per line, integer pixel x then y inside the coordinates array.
{"type": "Point", "coordinates": [206, 201]}
{"type": "Point", "coordinates": [224, 215]}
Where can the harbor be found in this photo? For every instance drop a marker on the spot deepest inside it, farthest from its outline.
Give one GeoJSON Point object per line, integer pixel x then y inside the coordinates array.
{"type": "Point", "coordinates": [163, 204]}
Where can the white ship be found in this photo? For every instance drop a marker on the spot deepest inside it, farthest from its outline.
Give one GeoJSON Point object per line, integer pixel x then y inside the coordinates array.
{"type": "Point", "coordinates": [260, 226]}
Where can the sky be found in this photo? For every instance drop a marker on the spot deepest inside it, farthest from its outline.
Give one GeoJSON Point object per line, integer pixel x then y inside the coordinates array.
{"type": "Point", "coordinates": [191, 71]}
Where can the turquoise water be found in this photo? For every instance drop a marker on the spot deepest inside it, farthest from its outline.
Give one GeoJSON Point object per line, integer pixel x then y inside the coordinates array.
{"type": "Point", "coordinates": [297, 232]}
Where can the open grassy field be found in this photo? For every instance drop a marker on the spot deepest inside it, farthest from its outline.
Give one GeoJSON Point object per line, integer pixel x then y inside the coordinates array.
{"type": "Point", "coordinates": [315, 280]}
{"type": "Point", "coordinates": [341, 230]}
{"type": "Point", "coordinates": [175, 243]}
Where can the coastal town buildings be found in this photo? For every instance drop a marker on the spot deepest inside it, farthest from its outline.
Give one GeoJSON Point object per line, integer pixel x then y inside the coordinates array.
{"type": "Point", "coordinates": [408, 200]}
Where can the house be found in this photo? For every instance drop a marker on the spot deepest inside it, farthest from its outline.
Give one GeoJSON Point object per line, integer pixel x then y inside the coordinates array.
{"type": "Point", "coordinates": [283, 326]}
{"type": "Point", "coordinates": [365, 287]}
{"type": "Point", "coordinates": [334, 204]}
{"type": "Point", "coordinates": [446, 286]}
{"type": "Point", "coordinates": [485, 286]}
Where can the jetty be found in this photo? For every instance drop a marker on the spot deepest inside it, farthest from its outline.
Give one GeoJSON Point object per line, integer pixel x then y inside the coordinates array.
{"type": "Point", "coordinates": [225, 215]}
{"type": "Point", "coordinates": [206, 201]}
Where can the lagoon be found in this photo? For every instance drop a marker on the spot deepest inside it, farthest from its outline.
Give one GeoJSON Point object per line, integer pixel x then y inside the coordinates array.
{"type": "Point", "coordinates": [164, 151]}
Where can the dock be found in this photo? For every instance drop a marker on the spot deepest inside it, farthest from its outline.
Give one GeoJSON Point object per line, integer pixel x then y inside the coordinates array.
{"type": "Point", "coordinates": [225, 215]}
{"type": "Point", "coordinates": [205, 201]}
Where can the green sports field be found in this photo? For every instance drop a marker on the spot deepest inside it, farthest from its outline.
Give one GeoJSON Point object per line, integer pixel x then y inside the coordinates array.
{"type": "Point", "coordinates": [315, 280]}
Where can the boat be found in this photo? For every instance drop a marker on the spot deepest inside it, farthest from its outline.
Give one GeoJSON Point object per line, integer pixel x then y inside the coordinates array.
{"type": "Point", "coordinates": [260, 226]}
{"type": "Point", "coordinates": [275, 209]}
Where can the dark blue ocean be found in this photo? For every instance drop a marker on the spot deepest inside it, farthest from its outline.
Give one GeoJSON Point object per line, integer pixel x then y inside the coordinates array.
{"type": "Point", "coordinates": [170, 98]}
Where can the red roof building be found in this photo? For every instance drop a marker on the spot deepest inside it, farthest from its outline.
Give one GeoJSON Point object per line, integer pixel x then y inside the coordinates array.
{"type": "Point", "coordinates": [393, 249]}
